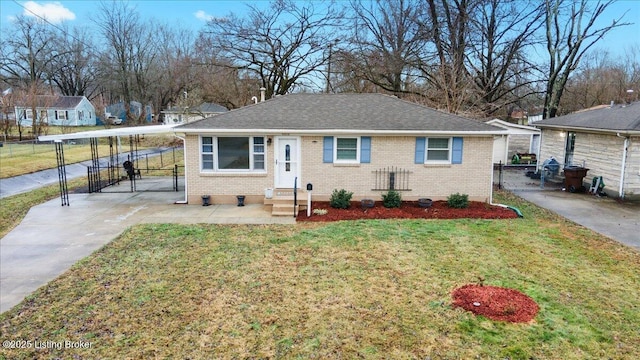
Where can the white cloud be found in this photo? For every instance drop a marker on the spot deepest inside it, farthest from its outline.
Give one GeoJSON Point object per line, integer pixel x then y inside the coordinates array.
{"type": "Point", "coordinates": [202, 15]}
{"type": "Point", "coordinates": [53, 12]}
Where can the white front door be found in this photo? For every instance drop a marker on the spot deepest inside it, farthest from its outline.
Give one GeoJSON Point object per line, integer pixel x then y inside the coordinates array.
{"type": "Point", "coordinates": [287, 162]}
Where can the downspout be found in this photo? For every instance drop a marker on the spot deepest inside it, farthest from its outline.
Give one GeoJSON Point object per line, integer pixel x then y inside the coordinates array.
{"type": "Point", "coordinates": [624, 164]}
{"type": "Point", "coordinates": [184, 155]}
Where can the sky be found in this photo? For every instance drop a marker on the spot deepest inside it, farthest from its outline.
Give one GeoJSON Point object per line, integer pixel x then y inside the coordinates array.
{"type": "Point", "coordinates": [193, 14]}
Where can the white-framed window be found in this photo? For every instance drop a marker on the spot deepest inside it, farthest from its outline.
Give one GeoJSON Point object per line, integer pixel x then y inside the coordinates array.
{"type": "Point", "coordinates": [233, 153]}
{"type": "Point", "coordinates": [346, 149]}
{"type": "Point", "coordinates": [27, 114]}
{"type": "Point", "coordinates": [438, 150]}
{"type": "Point", "coordinates": [80, 115]}
{"type": "Point", "coordinates": [61, 115]}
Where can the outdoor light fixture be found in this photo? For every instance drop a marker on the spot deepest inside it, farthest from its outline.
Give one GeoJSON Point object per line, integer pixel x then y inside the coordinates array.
{"type": "Point", "coordinates": [269, 141]}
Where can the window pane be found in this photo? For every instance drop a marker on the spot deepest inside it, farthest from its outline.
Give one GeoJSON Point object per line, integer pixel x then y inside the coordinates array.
{"type": "Point", "coordinates": [346, 154]}
{"type": "Point", "coordinates": [207, 140]}
{"type": "Point", "coordinates": [233, 153]}
{"type": "Point", "coordinates": [347, 143]}
{"type": "Point", "coordinates": [258, 162]}
{"type": "Point", "coordinates": [207, 162]}
{"type": "Point", "coordinates": [438, 155]}
{"type": "Point", "coordinates": [347, 149]}
{"type": "Point", "coordinates": [438, 143]}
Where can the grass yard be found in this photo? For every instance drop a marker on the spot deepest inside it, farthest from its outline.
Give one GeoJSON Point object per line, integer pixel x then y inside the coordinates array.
{"type": "Point", "coordinates": [358, 289]}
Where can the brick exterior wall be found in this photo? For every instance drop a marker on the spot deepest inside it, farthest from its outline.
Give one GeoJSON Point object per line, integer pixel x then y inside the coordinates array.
{"type": "Point", "coordinates": [602, 155]}
{"type": "Point", "coordinates": [472, 177]}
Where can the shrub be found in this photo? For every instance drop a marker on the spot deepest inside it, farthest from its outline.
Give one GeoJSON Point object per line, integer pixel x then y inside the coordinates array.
{"type": "Point", "coordinates": [392, 199]}
{"type": "Point", "coordinates": [458, 201]}
{"type": "Point", "coordinates": [340, 199]}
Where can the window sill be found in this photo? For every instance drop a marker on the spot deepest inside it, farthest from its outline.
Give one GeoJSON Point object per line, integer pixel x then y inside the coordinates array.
{"type": "Point", "coordinates": [232, 174]}
{"type": "Point", "coordinates": [437, 165]}
{"type": "Point", "coordinates": [346, 164]}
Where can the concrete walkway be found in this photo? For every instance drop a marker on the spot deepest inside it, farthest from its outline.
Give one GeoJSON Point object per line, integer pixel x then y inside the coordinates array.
{"type": "Point", "coordinates": [52, 238]}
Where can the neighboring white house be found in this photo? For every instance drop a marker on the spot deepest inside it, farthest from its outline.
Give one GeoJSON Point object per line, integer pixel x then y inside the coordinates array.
{"type": "Point", "coordinates": [183, 115]}
{"type": "Point", "coordinates": [519, 139]}
{"type": "Point", "coordinates": [56, 110]}
{"type": "Point", "coordinates": [606, 140]}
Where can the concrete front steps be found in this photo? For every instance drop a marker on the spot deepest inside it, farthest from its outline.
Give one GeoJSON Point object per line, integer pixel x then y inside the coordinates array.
{"type": "Point", "coordinates": [282, 203]}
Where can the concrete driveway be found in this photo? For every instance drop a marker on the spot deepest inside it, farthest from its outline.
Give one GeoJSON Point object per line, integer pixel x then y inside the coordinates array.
{"type": "Point", "coordinates": [618, 221]}
{"type": "Point", "coordinates": [606, 216]}
{"type": "Point", "coordinates": [52, 238]}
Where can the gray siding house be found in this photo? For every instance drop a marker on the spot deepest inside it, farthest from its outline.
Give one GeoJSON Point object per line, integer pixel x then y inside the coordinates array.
{"type": "Point", "coordinates": [56, 110]}
{"type": "Point", "coordinates": [604, 140]}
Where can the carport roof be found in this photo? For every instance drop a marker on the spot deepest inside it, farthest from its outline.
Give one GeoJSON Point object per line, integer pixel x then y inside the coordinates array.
{"type": "Point", "coordinates": [117, 131]}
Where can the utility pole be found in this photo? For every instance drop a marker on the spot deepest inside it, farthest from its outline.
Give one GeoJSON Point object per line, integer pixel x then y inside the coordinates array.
{"type": "Point", "coordinates": [329, 89]}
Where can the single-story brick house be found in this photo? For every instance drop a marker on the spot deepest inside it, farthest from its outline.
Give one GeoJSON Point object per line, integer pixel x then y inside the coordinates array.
{"type": "Point", "coordinates": [604, 140]}
{"type": "Point", "coordinates": [364, 143]}
{"type": "Point", "coordinates": [56, 110]}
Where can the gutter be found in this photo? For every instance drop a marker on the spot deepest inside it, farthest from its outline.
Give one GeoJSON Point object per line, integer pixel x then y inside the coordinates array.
{"type": "Point", "coordinates": [625, 149]}
{"type": "Point", "coordinates": [184, 155]}
{"type": "Point", "coordinates": [340, 132]}
{"type": "Point", "coordinates": [591, 130]}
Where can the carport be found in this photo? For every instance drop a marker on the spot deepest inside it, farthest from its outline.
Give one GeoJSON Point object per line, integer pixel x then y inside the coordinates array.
{"type": "Point", "coordinates": [119, 165]}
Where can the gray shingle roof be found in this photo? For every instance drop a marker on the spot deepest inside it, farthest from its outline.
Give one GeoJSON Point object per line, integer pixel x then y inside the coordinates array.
{"type": "Point", "coordinates": [205, 108]}
{"type": "Point", "coordinates": [54, 102]}
{"type": "Point", "coordinates": [617, 118]}
{"type": "Point", "coordinates": [338, 112]}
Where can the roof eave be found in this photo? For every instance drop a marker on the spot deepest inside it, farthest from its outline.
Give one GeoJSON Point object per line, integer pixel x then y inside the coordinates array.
{"type": "Point", "coordinates": [591, 130]}
{"type": "Point", "coordinates": [341, 132]}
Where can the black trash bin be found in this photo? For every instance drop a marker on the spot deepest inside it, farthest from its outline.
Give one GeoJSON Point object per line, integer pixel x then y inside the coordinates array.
{"type": "Point", "coordinates": [573, 177]}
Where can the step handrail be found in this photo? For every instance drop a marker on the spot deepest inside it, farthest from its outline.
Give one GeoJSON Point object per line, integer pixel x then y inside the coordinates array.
{"type": "Point", "coordinates": [295, 196]}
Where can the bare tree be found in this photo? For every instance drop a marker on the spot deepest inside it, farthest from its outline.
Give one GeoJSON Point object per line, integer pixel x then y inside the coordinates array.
{"type": "Point", "coordinates": [26, 63]}
{"type": "Point", "coordinates": [74, 70]}
{"type": "Point", "coordinates": [131, 53]}
{"type": "Point", "coordinates": [280, 45]}
{"type": "Point", "coordinates": [387, 41]}
{"type": "Point", "coordinates": [570, 32]}
{"type": "Point", "coordinates": [447, 76]}
{"type": "Point", "coordinates": [501, 31]}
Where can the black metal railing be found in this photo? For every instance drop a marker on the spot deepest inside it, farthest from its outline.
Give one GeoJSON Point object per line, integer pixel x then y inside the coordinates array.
{"type": "Point", "coordinates": [392, 178]}
{"type": "Point", "coordinates": [295, 196]}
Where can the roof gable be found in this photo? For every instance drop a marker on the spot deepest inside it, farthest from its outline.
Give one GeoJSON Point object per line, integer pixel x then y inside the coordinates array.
{"type": "Point", "coordinates": [611, 118]}
{"type": "Point", "coordinates": [343, 112]}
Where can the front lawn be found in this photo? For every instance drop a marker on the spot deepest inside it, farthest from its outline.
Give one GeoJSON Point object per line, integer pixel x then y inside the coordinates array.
{"type": "Point", "coordinates": [355, 289]}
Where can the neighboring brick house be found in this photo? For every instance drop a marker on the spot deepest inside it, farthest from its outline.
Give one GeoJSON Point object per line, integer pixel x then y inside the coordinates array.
{"type": "Point", "coordinates": [604, 140]}
{"type": "Point", "coordinates": [57, 110]}
{"type": "Point", "coordinates": [343, 141]}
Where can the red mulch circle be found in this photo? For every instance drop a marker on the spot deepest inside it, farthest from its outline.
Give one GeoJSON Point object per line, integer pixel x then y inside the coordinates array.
{"type": "Point", "coordinates": [495, 303]}
{"type": "Point", "coordinates": [408, 210]}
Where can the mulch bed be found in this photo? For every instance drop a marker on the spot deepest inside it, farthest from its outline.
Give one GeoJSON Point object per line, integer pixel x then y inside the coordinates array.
{"type": "Point", "coordinates": [495, 303]}
{"type": "Point", "coordinates": [408, 210]}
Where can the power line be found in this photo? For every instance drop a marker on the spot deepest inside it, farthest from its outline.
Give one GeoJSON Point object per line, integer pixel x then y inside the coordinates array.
{"type": "Point", "coordinates": [62, 30]}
